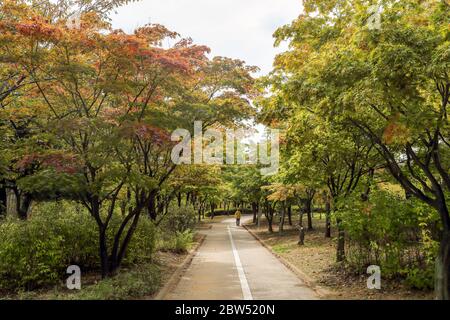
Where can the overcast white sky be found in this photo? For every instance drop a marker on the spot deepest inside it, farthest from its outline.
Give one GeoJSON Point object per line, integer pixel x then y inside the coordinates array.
{"type": "Point", "coordinates": [240, 29]}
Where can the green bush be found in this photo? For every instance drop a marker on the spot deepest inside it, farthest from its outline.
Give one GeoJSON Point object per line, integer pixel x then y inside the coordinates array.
{"type": "Point", "coordinates": [392, 232]}
{"type": "Point", "coordinates": [175, 233]}
{"type": "Point", "coordinates": [183, 241]}
{"type": "Point", "coordinates": [179, 219]}
{"type": "Point", "coordinates": [180, 242]}
{"type": "Point", "coordinates": [77, 229]}
{"type": "Point", "coordinates": [420, 278]}
{"type": "Point", "coordinates": [37, 252]}
{"type": "Point", "coordinates": [29, 255]}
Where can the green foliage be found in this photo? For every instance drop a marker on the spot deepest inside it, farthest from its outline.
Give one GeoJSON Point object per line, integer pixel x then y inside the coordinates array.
{"type": "Point", "coordinates": [420, 278]}
{"type": "Point", "coordinates": [48, 184]}
{"type": "Point", "coordinates": [37, 252]}
{"type": "Point", "coordinates": [281, 248]}
{"type": "Point", "coordinates": [175, 231]}
{"type": "Point", "coordinates": [179, 219]}
{"type": "Point", "coordinates": [183, 241]}
{"type": "Point", "coordinates": [179, 242]}
{"type": "Point", "coordinates": [245, 183]}
{"type": "Point", "coordinates": [393, 233]}
{"type": "Point", "coordinates": [29, 256]}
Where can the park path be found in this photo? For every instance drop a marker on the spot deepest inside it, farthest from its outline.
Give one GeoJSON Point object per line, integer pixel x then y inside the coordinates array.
{"type": "Point", "coordinates": [232, 265]}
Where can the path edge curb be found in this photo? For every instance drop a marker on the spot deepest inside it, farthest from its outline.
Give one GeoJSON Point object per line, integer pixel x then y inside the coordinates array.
{"type": "Point", "coordinates": [321, 292]}
{"type": "Point", "coordinates": [176, 276]}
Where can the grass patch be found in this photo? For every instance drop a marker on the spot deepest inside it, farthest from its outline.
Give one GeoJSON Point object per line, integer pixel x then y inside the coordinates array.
{"type": "Point", "coordinates": [281, 248]}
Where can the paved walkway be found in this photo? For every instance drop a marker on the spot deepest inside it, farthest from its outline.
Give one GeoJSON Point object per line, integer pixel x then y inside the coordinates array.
{"type": "Point", "coordinates": [232, 265]}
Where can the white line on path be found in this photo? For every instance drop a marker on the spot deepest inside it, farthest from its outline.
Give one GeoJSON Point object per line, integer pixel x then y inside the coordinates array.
{"type": "Point", "coordinates": [242, 278]}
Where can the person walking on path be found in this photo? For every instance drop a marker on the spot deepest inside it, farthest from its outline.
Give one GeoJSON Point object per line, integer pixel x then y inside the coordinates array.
{"type": "Point", "coordinates": [237, 215]}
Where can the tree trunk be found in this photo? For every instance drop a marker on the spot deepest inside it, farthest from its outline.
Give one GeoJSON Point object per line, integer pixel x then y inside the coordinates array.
{"type": "Point", "coordinates": [308, 210]}
{"type": "Point", "coordinates": [290, 215]}
{"type": "Point", "coordinates": [301, 236]}
{"type": "Point", "coordinates": [328, 219]}
{"type": "Point", "coordinates": [442, 272]}
{"type": "Point", "coordinates": [301, 229]}
{"type": "Point", "coordinates": [282, 217]}
{"type": "Point", "coordinates": [269, 217]}
{"type": "Point", "coordinates": [260, 206]}
{"type": "Point", "coordinates": [121, 243]}
{"type": "Point", "coordinates": [18, 203]}
{"type": "Point", "coordinates": [212, 210]}
{"type": "Point", "coordinates": [11, 204]}
{"type": "Point", "coordinates": [255, 211]}
{"type": "Point", "coordinates": [300, 219]}
{"type": "Point", "coordinates": [152, 206]}
{"type": "Point", "coordinates": [270, 223]}
{"type": "Point", "coordinates": [94, 210]}
{"type": "Point", "coordinates": [126, 241]}
{"type": "Point", "coordinates": [104, 261]}
{"type": "Point", "coordinates": [2, 199]}
{"type": "Point", "coordinates": [179, 199]}
{"type": "Point", "coordinates": [24, 206]}
{"type": "Point", "coordinates": [442, 263]}
{"type": "Point", "coordinates": [341, 242]}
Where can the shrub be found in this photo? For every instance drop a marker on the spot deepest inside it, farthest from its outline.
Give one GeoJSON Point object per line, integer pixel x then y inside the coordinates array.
{"type": "Point", "coordinates": [179, 219]}
{"type": "Point", "coordinates": [36, 252]}
{"type": "Point", "coordinates": [29, 255]}
{"type": "Point", "coordinates": [180, 242]}
{"type": "Point", "coordinates": [420, 278]}
{"type": "Point", "coordinates": [183, 241]}
{"type": "Point", "coordinates": [75, 226]}
{"type": "Point", "coordinates": [392, 232]}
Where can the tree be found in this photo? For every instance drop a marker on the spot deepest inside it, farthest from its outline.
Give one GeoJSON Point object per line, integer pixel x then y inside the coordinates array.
{"type": "Point", "coordinates": [280, 194]}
